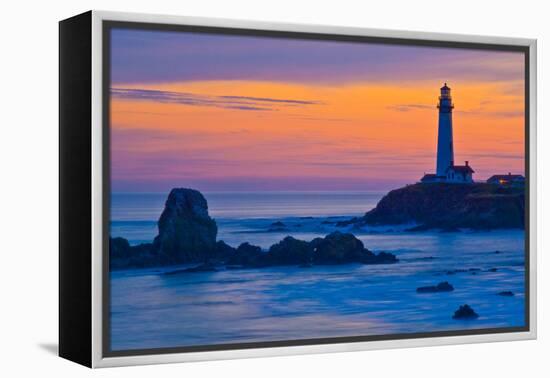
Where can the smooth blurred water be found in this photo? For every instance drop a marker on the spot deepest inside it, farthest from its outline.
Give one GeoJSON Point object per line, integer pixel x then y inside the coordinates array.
{"type": "Point", "coordinates": [134, 215]}
{"type": "Point", "coordinates": [152, 310]}
{"type": "Point", "coordinates": [238, 205]}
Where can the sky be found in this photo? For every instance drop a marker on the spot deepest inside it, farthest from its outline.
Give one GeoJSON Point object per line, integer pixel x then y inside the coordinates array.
{"type": "Point", "coordinates": [242, 113]}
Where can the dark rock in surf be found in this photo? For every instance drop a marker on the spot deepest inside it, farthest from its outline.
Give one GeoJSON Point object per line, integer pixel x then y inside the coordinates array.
{"type": "Point", "coordinates": [465, 312]}
{"type": "Point", "coordinates": [247, 255]}
{"type": "Point", "coordinates": [186, 231]}
{"type": "Point", "coordinates": [290, 251]}
{"type": "Point", "coordinates": [278, 227]}
{"type": "Point", "coordinates": [338, 248]}
{"type": "Point", "coordinates": [119, 248]}
{"type": "Point", "coordinates": [123, 256]}
{"type": "Point", "coordinates": [381, 258]}
{"type": "Point", "coordinates": [506, 293]}
{"type": "Point", "coordinates": [439, 288]}
{"type": "Point", "coordinates": [342, 248]}
{"type": "Point", "coordinates": [223, 251]}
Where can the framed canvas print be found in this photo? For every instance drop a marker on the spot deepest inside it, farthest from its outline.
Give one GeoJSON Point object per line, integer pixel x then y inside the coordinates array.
{"type": "Point", "coordinates": [234, 189]}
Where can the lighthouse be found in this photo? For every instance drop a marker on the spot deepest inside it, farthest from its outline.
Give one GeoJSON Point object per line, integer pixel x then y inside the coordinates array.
{"type": "Point", "coordinates": [446, 170]}
{"type": "Point", "coordinates": [445, 152]}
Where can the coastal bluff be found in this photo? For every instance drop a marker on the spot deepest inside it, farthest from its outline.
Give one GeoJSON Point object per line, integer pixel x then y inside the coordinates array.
{"type": "Point", "coordinates": [449, 207]}
{"type": "Point", "coordinates": [187, 234]}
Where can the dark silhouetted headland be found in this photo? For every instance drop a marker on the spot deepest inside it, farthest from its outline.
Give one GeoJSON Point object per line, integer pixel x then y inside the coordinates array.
{"type": "Point", "coordinates": [449, 207]}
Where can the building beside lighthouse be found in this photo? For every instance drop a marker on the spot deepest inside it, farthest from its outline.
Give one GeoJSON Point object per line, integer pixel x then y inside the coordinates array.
{"type": "Point", "coordinates": [446, 170]}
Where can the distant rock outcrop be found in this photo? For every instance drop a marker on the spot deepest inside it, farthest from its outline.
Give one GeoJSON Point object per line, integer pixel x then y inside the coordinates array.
{"type": "Point", "coordinates": [465, 312]}
{"type": "Point", "coordinates": [439, 288]}
{"type": "Point", "coordinates": [186, 231]}
{"type": "Point", "coordinates": [449, 207]}
{"type": "Point", "coordinates": [277, 226]}
{"type": "Point", "coordinates": [123, 255]}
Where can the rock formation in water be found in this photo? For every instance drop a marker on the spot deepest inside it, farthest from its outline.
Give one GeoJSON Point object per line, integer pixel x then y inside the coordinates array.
{"type": "Point", "coordinates": [449, 207]}
{"type": "Point", "coordinates": [186, 231]}
{"type": "Point", "coordinates": [187, 234]}
{"type": "Point", "coordinates": [335, 248]}
{"type": "Point", "coordinates": [246, 255]}
{"type": "Point", "coordinates": [277, 227]}
{"type": "Point", "coordinates": [291, 251]}
{"type": "Point", "coordinates": [465, 312]}
{"type": "Point", "coordinates": [439, 288]}
{"type": "Point", "coordinates": [123, 256]}
{"type": "Point", "coordinates": [342, 248]}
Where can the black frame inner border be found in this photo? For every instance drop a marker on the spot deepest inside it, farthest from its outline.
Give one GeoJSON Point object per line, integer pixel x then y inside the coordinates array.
{"type": "Point", "coordinates": [107, 26]}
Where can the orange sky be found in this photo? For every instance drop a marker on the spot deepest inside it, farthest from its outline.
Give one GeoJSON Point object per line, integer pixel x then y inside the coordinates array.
{"type": "Point", "coordinates": [261, 133]}
{"type": "Point", "coordinates": [370, 132]}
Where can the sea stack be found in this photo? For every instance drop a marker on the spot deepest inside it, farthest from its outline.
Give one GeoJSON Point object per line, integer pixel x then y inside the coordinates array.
{"type": "Point", "coordinates": [186, 232]}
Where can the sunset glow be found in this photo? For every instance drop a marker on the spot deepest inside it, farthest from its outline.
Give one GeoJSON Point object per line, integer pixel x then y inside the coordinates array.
{"type": "Point", "coordinates": [364, 118]}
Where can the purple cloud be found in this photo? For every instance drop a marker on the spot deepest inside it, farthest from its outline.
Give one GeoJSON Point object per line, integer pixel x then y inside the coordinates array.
{"type": "Point", "coordinates": [226, 102]}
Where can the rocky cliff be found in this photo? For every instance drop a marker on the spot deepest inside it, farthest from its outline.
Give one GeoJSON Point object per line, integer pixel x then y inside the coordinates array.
{"type": "Point", "coordinates": [450, 207]}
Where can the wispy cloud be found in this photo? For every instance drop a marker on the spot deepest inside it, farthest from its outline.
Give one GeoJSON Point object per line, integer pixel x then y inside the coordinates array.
{"type": "Point", "coordinates": [481, 110]}
{"type": "Point", "coordinates": [193, 99]}
{"type": "Point", "coordinates": [409, 107]}
{"type": "Point", "coordinates": [500, 114]}
{"type": "Point", "coordinates": [275, 100]}
{"type": "Point", "coordinates": [500, 155]}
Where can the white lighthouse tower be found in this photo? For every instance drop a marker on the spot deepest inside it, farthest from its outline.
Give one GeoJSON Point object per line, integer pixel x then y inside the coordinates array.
{"type": "Point", "coordinates": [445, 152]}
{"type": "Point", "coordinates": [446, 170]}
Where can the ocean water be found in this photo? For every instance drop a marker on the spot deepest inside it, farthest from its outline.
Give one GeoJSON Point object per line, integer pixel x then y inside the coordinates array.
{"type": "Point", "coordinates": [134, 215]}
{"type": "Point", "coordinates": [153, 310]}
